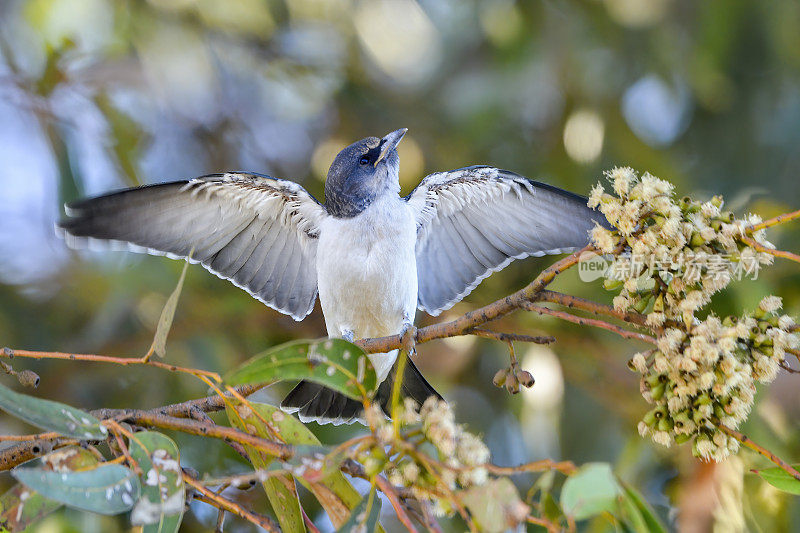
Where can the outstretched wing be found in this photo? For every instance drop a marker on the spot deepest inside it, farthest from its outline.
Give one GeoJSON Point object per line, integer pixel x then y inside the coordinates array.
{"type": "Point", "coordinates": [259, 232]}
{"type": "Point", "coordinates": [474, 221]}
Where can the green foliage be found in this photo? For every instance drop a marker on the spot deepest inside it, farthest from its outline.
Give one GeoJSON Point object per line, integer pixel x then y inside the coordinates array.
{"type": "Point", "coordinates": [365, 516]}
{"type": "Point", "coordinates": [335, 363]}
{"type": "Point", "coordinates": [160, 508]}
{"type": "Point", "coordinates": [159, 346]}
{"type": "Point", "coordinates": [51, 416]}
{"type": "Point", "coordinates": [590, 491]}
{"type": "Point", "coordinates": [495, 506]}
{"type": "Point", "coordinates": [336, 495]}
{"type": "Point", "coordinates": [781, 480]}
{"type": "Point", "coordinates": [21, 506]}
{"type": "Point", "coordinates": [104, 488]}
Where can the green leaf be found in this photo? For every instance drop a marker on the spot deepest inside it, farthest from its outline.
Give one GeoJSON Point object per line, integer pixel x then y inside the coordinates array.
{"type": "Point", "coordinates": [365, 516]}
{"type": "Point", "coordinates": [590, 491]}
{"type": "Point", "coordinates": [649, 521]}
{"type": "Point", "coordinates": [781, 480]}
{"type": "Point", "coordinates": [495, 506]}
{"type": "Point", "coordinates": [264, 421]}
{"type": "Point", "coordinates": [335, 363]}
{"type": "Point", "coordinates": [107, 489]}
{"type": "Point", "coordinates": [159, 346]}
{"type": "Point", "coordinates": [20, 506]}
{"type": "Point", "coordinates": [336, 495]}
{"type": "Point", "coordinates": [51, 416]}
{"type": "Point", "coordinates": [160, 508]}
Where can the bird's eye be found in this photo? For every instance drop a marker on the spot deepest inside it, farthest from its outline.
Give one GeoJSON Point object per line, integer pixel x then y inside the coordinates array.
{"type": "Point", "coordinates": [364, 160]}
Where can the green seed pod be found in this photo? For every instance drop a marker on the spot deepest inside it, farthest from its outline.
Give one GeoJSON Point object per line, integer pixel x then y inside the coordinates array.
{"type": "Point", "coordinates": [719, 411]}
{"type": "Point", "coordinates": [767, 350]}
{"type": "Point", "coordinates": [665, 424]}
{"type": "Point", "coordinates": [373, 466]}
{"type": "Point", "coordinates": [641, 304]}
{"type": "Point", "coordinates": [657, 392]}
{"type": "Point", "coordinates": [696, 241]}
{"type": "Point", "coordinates": [612, 284]}
{"type": "Point", "coordinates": [682, 438]}
{"type": "Point", "coordinates": [703, 399]}
{"type": "Point", "coordinates": [654, 379]}
{"type": "Point", "coordinates": [650, 417]}
{"type": "Point", "coordinates": [698, 418]}
{"type": "Point", "coordinates": [658, 304]}
{"type": "Point", "coordinates": [717, 201]}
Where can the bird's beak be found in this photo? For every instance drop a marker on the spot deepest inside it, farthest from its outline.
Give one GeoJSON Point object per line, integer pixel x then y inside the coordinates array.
{"type": "Point", "coordinates": [389, 142]}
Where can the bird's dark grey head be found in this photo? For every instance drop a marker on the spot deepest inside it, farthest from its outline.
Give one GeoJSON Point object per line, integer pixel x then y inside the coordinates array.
{"type": "Point", "coordinates": [362, 172]}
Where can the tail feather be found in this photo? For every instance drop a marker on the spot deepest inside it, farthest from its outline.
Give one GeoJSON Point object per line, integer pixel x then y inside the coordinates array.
{"type": "Point", "coordinates": [312, 401]}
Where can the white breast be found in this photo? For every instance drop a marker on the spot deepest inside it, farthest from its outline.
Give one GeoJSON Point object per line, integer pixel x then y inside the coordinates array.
{"type": "Point", "coordinates": [367, 273]}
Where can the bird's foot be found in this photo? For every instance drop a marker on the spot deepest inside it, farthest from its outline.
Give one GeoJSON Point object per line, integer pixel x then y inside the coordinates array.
{"type": "Point", "coordinates": [408, 337]}
{"type": "Point", "coordinates": [348, 335]}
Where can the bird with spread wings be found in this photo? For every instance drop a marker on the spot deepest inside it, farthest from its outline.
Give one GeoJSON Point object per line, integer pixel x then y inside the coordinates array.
{"type": "Point", "coordinates": [371, 255]}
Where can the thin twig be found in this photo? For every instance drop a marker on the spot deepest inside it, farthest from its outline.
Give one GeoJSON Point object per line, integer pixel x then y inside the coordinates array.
{"type": "Point", "coordinates": [745, 440]}
{"type": "Point", "coordinates": [774, 221]}
{"type": "Point", "coordinates": [761, 248]}
{"type": "Point", "coordinates": [506, 337]}
{"type": "Point", "coordinates": [565, 467]}
{"type": "Point", "coordinates": [220, 502]}
{"type": "Point", "coordinates": [93, 358]}
{"type": "Point", "coordinates": [386, 488]}
{"type": "Point", "coordinates": [590, 322]}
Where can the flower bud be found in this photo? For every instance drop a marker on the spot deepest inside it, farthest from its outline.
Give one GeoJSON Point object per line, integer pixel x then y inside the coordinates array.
{"type": "Point", "coordinates": [499, 378]}
{"type": "Point", "coordinates": [680, 439]}
{"type": "Point", "coordinates": [525, 378]}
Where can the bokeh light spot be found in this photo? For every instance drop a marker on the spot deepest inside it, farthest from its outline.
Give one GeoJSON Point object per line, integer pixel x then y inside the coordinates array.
{"type": "Point", "coordinates": [583, 136]}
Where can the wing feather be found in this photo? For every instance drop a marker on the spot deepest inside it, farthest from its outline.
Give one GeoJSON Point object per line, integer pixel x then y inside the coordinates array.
{"type": "Point", "coordinates": [474, 221]}
{"type": "Point", "coordinates": [257, 231]}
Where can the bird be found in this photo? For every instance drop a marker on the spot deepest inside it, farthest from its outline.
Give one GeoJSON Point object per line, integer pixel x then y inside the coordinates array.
{"type": "Point", "coordinates": [372, 256]}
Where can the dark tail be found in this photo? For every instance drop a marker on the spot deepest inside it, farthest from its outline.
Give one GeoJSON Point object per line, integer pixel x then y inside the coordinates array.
{"type": "Point", "coordinates": [323, 405]}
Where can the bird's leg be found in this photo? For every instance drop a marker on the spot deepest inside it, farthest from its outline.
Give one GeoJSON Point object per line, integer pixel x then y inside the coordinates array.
{"type": "Point", "coordinates": [348, 335]}
{"type": "Point", "coordinates": [409, 336]}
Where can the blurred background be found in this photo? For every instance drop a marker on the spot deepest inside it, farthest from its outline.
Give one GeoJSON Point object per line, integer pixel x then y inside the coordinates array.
{"type": "Point", "coordinates": [98, 95]}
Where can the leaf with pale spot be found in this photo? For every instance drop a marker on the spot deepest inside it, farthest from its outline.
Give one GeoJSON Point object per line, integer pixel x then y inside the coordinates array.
{"type": "Point", "coordinates": [107, 489]}
{"type": "Point", "coordinates": [160, 508]}
{"type": "Point", "coordinates": [335, 363]}
{"type": "Point", "coordinates": [21, 506]}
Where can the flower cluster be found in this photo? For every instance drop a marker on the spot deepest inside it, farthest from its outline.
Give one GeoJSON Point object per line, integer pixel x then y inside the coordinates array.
{"type": "Point", "coordinates": [703, 373]}
{"type": "Point", "coordinates": [444, 453]}
{"type": "Point", "coordinates": [700, 380]}
{"type": "Point", "coordinates": [677, 254]}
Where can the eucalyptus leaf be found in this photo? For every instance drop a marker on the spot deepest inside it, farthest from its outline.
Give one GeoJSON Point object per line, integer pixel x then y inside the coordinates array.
{"type": "Point", "coordinates": [364, 517]}
{"type": "Point", "coordinates": [107, 489]}
{"type": "Point", "coordinates": [333, 491]}
{"type": "Point", "coordinates": [51, 416]}
{"type": "Point", "coordinates": [781, 480]}
{"type": "Point", "coordinates": [265, 421]}
{"type": "Point", "coordinates": [159, 346]}
{"type": "Point", "coordinates": [495, 506]}
{"type": "Point", "coordinates": [160, 508]}
{"type": "Point", "coordinates": [651, 521]}
{"type": "Point", "coordinates": [21, 506]}
{"type": "Point", "coordinates": [335, 363]}
{"type": "Point", "coordinates": [590, 491]}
